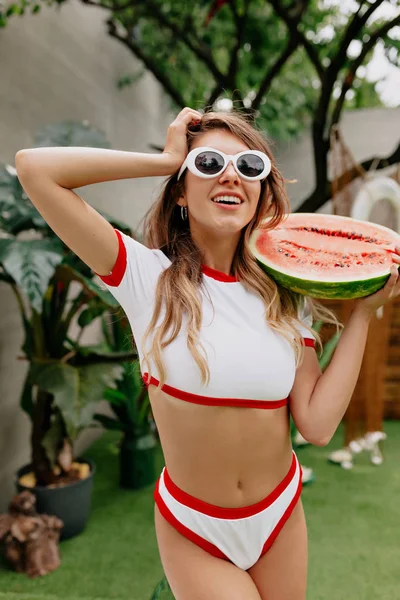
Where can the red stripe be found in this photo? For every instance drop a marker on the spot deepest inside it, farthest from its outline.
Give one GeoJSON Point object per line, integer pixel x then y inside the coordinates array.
{"type": "Point", "coordinates": [118, 271]}
{"type": "Point", "coordinates": [183, 530]}
{"type": "Point", "coordinates": [211, 401]}
{"type": "Point", "coordinates": [284, 518]}
{"type": "Point", "coordinates": [229, 513]}
{"type": "Point", "coordinates": [309, 342]}
{"type": "Point", "coordinates": [217, 274]}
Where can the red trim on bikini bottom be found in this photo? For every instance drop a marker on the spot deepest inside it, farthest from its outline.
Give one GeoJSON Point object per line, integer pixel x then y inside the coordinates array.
{"type": "Point", "coordinates": [183, 530]}
{"type": "Point", "coordinates": [229, 513]}
{"type": "Point", "coordinates": [212, 401]}
{"type": "Point", "coordinates": [118, 271]}
{"type": "Point", "coordinates": [278, 528]}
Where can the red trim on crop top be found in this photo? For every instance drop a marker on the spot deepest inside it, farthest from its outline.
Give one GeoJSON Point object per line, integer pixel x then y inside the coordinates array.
{"type": "Point", "coordinates": [212, 401]}
{"type": "Point", "coordinates": [218, 275]}
{"type": "Point", "coordinates": [115, 277]}
{"type": "Point", "coordinates": [309, 342]}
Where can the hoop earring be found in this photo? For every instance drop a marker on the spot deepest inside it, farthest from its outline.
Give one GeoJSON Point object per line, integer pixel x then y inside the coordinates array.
{"type": "Point", "coordinates": [184, 213]}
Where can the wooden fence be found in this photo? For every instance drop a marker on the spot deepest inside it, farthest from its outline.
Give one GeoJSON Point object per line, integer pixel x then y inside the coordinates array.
{"type": "Point", "coordinates": [377, 393]}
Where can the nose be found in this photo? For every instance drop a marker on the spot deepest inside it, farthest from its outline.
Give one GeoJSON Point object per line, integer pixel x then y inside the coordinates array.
{"type": "Point", "coordinates": [229, 175]}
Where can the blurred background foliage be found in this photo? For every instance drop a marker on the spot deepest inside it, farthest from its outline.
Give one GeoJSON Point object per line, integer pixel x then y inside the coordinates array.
{"type": "Point", "coordinates": [289, 64]}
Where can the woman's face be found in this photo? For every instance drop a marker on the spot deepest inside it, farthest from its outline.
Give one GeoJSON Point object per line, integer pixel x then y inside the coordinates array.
{"type": "Point", "coordinates": [206, 215]}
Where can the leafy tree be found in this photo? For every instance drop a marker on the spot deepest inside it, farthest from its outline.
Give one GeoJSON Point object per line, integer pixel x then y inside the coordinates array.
{"type": "Point", "coordinates": [285, 62]}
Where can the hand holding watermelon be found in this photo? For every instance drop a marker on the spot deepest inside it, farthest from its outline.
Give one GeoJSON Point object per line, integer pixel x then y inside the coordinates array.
{"type": "Point", "coordinates": [388, 292]}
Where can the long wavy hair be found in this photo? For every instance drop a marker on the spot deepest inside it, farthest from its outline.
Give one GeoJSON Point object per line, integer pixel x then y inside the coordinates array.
{"type": "Point", "coordinates": [179, 285]}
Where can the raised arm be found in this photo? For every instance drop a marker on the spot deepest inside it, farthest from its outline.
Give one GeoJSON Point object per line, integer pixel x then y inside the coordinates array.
{"type": "Point", "coordinates": [48, 176]}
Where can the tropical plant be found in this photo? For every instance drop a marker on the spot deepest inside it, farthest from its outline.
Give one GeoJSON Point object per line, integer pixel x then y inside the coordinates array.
{"type": "Point", "coordinates": [55, 291]}
{"type": "Point", "coordinates": [129, 402]}
{"type": "Point", "coordinates": [129, 399]}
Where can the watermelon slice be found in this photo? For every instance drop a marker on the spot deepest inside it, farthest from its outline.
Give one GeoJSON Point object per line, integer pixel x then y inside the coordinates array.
{"type": "Point", "coordinates": [326, 256]}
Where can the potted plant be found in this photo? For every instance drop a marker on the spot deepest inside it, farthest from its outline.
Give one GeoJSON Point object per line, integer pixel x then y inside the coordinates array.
{"type": "Point", "coordinates": [130, 404]}
{"type": "Point", "coordinates": [65, 380]}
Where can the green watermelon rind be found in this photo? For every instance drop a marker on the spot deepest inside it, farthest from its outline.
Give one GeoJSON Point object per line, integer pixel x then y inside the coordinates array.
{"type": "Point", "coordinates": [340, 290]}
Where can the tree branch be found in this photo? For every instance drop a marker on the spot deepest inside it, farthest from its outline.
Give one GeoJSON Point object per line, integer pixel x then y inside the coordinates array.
{"type": "Point", "coordinates": [273, 72]}
{"type": "Point", "coordinates": [202, 51]}
{"type": "Point", "coordinates": [240, 23]}
{"type": "Point", "coordinates": [292, 23]}
{"type": "Point", "coordinates": [317, 198]}
{"type": "Point", "coordinates": [148, 62]}
{"type": "Point", "coordinates": [357, 62]}
{"type": "Point", "coordinates": [354, 28]}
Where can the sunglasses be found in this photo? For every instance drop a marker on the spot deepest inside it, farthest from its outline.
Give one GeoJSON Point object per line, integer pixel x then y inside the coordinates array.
{"type": "Point", "coordinates": [250, 165]}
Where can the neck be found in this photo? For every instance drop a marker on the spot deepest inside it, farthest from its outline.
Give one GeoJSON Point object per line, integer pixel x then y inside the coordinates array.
{"type": "Point", "coordinates": [218, 252]}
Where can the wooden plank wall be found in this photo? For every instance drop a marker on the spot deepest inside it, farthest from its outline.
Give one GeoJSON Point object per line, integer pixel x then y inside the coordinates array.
{"type": "Point", "coordinates": [377, 394]}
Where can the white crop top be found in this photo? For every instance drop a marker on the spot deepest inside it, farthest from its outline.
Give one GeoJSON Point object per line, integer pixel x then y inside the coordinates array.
{"type": "Point", "coordinates": [250, 364]}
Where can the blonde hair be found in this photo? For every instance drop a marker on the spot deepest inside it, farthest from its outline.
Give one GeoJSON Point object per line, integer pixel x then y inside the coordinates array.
{"type": "Point", "coordinates": [178, 286]}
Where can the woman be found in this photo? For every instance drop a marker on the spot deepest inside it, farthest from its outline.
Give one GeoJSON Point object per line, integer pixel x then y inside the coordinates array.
{"type": "Point", "coordinates": [221, 348]}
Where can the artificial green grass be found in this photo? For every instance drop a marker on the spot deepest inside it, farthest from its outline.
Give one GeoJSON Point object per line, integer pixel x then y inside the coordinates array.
{"type": "Point", "coordinates": [353, 521]}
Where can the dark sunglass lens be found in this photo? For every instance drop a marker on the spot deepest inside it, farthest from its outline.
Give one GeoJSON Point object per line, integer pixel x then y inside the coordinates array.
{"type": "Point", "coordinates": [250, 165]}
{"type": "Point", "coordinates": [209, 163]}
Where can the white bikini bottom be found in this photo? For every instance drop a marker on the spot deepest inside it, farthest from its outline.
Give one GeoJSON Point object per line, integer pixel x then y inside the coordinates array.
{"type": "Point", "coordinates": [240, 535]}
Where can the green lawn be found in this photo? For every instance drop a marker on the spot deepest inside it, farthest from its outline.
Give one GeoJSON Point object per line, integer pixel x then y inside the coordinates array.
{"type": "Point", "coordinates": [353, 519]}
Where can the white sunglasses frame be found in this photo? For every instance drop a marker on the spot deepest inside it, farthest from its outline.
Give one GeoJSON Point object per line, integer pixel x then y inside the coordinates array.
{"type": "Point", "coordinates": [189, 163]}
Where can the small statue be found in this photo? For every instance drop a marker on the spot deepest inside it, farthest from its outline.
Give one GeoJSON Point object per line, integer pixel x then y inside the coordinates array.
{"type": "Point", "coordinates": [30, 540]}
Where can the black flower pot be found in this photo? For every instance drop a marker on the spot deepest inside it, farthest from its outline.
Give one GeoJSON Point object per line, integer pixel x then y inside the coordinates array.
{"type": "Point", "coordinates": [71, 503]}
{"type": "Point", "coordinates": [137, 461]}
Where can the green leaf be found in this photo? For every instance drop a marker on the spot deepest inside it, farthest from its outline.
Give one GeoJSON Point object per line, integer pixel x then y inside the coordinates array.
{"type": "Point", "coordinates": [71, 133]}
{"type": "Point", "coordinates": [94, 309]}
{"type": "Point", "coordinates": [12, 9]}
{"type": "Point", "coordinates": [31, 263]}
{"type": "Point", "coordinates": [115, 397]}
{"type": "Point", "coordinates": [17, 213]}
{"type": "Point", "coordinates": [26, 400]}
{"type": "Point", "coordinates": [109, 423]}
{"type": "Point", "coordinates": [130, 79]}
{"type": "Point", "coordinates": [67, 274]}
{"type": "Point", "coordinates": [76, 390]}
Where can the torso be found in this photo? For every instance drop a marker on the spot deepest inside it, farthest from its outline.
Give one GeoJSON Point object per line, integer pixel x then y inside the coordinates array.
{"type": "Point", "coordinates": [227, 442]}
{"type": "Point", "coordinates": [226, 456]}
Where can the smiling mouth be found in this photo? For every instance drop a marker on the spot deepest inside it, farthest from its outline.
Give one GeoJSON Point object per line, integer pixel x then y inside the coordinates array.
{"type": "Point", "coordinates": [227, 200]}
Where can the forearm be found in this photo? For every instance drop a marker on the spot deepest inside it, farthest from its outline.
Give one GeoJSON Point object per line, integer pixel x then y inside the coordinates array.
{"type": "Point", "coordinates": [335, 387]}
{"type": "Point", "coordinates": [73, 168]}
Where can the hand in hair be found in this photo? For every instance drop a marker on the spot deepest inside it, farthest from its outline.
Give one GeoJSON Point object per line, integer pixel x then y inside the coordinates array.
{"type": "Point", "coordinates": [176, 144]}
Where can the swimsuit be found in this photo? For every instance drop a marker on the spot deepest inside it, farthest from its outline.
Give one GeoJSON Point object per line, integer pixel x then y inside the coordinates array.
{"type": "Point", "coordinates": [250, 366]}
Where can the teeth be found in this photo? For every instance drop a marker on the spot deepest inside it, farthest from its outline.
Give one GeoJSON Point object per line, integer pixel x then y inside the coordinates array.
{"type": "Point", "coordinates": [232, 199]}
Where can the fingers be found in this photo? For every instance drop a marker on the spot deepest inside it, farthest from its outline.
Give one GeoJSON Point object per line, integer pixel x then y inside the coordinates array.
{"type": "Point", "coordinates": [393, 281]}
{"type": "Point", "coordinates": [187, 115]}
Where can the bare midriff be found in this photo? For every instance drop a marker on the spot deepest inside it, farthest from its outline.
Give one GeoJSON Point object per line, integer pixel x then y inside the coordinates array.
{"type": "Point", "coordinates": [223, 455]}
